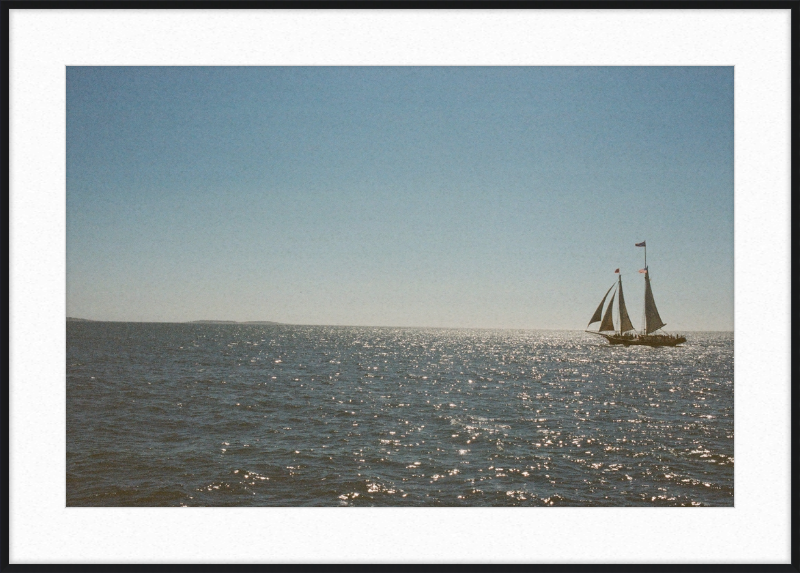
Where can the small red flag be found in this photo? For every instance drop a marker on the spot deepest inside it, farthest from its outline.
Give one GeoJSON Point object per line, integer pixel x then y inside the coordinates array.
{"type": "Point", "coordinates": [616, 271]}
{"type": "Point", "coordinates": [642, 270]}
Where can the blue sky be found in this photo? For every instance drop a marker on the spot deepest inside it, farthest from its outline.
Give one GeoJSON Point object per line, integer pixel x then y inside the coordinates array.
{"type": "Point", "coordinates": [487, 197]}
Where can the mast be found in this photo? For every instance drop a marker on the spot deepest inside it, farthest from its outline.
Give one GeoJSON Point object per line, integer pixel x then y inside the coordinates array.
{"type": "Point", "coordinates": [644, 304]}
{"type": "Point", "coordinates": [644, 311]}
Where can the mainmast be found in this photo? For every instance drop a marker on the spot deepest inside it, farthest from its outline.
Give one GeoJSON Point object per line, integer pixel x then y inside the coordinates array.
{"type": "Point", "coordinates": [644, 244]}
{"type": "Point", "coordinates": [644, 270]}
{"type": "Point", "coordinates": [652, 320]}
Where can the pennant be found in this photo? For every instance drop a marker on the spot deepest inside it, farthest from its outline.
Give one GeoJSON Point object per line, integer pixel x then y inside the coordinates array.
{"type": "Point", "coordinates": [642, 244]}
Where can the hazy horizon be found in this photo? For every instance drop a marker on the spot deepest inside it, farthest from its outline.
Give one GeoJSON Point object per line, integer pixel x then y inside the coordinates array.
{"type": "Point", "coordinates": [275, 323]}
{"type": "Point", "coordinates": [450, 197]}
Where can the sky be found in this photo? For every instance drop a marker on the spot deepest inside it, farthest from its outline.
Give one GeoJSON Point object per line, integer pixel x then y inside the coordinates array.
{"type": "Point", "coordinates": [459, 197]}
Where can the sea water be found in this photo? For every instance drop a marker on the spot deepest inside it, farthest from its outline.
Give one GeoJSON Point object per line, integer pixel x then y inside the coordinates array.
{"type": "Point", "coordinates": [277, 415]}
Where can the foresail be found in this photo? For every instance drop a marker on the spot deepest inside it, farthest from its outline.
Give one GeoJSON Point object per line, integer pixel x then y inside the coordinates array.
{"type": "Point", "coordinates": [652, 319]}
{"type": "Point", "coordinates": [608, 321]}
{"type": "Point", "coordinates": [624, 319]}
{"type": "Point", "coordinates": [599, 312]}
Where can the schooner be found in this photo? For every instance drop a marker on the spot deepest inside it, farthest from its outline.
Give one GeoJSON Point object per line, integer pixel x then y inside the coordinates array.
{"type": "Point", "coordinates": [626, 334]}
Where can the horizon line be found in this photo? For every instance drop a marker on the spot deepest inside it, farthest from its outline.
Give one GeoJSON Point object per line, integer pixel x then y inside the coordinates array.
{"type": "Point", "coordinates": [276, 323]}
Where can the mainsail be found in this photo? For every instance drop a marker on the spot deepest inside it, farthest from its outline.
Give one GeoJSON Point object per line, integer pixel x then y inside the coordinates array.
{"type": "Point", "coordinates": [624, 320]}
{"type": "Point", "coordinates": [598, 313]}
{"type": "Point", "coordinates": [608, 322]}
{"type": "Point", "coordinates": [652, 319]}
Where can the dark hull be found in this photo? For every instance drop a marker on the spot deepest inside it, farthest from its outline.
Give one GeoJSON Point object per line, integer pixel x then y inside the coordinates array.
{"type": "Point", "coordinates": [652, 340]}
{"type": "Point", "coordinates": [648, 340]}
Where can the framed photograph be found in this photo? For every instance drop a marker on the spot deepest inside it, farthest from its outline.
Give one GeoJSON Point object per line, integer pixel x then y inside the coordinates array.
{"type": "Point", "coordinates": [313, 286]}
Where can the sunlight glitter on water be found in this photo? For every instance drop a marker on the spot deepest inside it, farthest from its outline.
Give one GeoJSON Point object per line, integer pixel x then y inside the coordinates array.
{"type": "Point", "coordinates": [370, 416]}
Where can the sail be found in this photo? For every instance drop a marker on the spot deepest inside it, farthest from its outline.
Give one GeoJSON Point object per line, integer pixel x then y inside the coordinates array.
{"type": "Point", "coordinates": [624, 320]}
{"type": "Point", "coordinates": [608, 322]}
{"type": "Point", "coordinates": [652, 319]}
{"type": "Point", "coordinates": [598, 313]}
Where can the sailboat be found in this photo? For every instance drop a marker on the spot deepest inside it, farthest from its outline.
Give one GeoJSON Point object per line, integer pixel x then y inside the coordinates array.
{"type": "Point", "coordinates": [626, 335]}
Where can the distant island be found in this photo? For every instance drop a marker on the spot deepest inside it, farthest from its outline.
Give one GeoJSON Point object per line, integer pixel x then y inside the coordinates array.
{"type": "Point", "coordinates": [72, 319]}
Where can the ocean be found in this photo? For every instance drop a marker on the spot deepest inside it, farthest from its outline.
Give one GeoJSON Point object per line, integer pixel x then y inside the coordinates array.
{"type": "Point", "coordinates": [182, 414]}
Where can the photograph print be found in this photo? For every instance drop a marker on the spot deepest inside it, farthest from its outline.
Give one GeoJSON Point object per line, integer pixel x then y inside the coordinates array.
{"type": "Point", "coordinates": [399, 286]}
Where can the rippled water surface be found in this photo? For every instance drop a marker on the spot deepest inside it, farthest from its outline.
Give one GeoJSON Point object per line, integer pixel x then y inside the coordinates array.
{"type": "Point", "coordinates": [226, 415]}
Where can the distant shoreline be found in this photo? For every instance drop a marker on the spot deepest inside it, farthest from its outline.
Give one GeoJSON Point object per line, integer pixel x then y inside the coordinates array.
{"type": "Point", "coordinates": [73, 319]}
